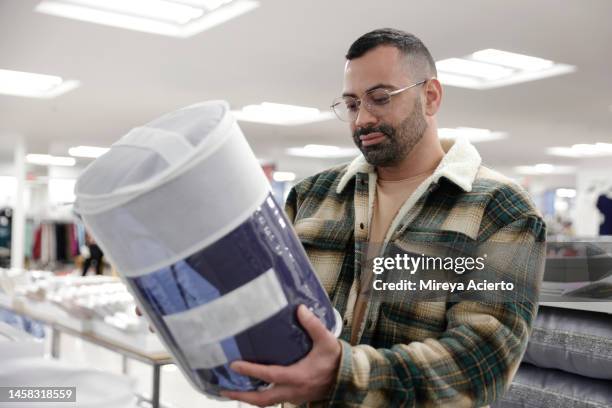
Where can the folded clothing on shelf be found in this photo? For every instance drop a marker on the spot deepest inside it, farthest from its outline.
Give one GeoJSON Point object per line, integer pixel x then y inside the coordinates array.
{"type": "Point", "coordinates": [535, 387]}
{"type": "Point", "coordinates": [574, 341]}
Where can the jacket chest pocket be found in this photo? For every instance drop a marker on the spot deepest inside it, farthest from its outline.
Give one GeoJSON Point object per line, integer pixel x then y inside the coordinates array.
{"type": "Point", "coordinates": [322, 234]}
{"type": "Point", "coordinates": [437, 244]}
{"type": "Point", "coordinates": [328, 244]}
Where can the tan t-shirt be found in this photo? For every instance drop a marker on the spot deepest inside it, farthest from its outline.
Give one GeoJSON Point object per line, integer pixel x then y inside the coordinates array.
{"type": "Point", "coordinates": [390, 196]}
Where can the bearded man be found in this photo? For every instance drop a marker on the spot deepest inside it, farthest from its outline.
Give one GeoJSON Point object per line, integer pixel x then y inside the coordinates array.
{"type": "Point", "coordinates": [405, 188]}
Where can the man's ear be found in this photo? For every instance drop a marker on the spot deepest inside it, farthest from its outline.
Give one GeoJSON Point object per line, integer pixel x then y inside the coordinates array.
{"type": "Point", "coordinates": [433, 96]}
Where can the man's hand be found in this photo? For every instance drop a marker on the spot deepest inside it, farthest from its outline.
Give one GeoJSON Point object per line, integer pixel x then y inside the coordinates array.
{"type": "Point", "coordinates": [310, 379]}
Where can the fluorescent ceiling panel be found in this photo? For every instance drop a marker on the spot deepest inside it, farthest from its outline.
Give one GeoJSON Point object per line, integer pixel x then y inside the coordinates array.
{"type": "Point", "coordinates": [174, 18]}
{"type": "Point", "coordinates": [87, 151]}
{"type": "Point", "coordinates": [31, 85]}
{"type": "Point", "coordinates": [323, 151]}
{"type": "Point", "coordinates": [512, 60]}
{"type": "Point", "coordinates": [48, 160]}
{"type": "Point", "coordinates": [582, 150]}
{"type": "Point", "coordinates": [479, 70]}
{"type": "Point", "coordinates": [474, 135]}
{"type": "Point", "coordinates": [544, 168]}
{"type": "Point", "coordinates": [281, 114]}
{"type": "Point", "coordinates": [493, 68]}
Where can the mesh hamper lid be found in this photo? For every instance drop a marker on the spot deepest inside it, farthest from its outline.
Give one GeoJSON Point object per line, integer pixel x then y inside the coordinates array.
{"type": "Point", "coordinates": [150, 152]}
{"type": "Point", "coordinates": [169, 187]}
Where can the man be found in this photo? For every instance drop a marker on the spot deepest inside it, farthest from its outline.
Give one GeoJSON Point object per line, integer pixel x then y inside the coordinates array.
{"type": "Point", "coordinates": [403, 189]}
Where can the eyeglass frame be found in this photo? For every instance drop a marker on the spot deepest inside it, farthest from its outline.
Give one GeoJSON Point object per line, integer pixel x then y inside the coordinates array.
{"type": "Point", "coordinates": [390, 93]}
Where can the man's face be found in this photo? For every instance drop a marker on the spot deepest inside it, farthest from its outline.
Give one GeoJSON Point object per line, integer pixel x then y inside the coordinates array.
{"type": "Point", "coordinates": [386, 138]}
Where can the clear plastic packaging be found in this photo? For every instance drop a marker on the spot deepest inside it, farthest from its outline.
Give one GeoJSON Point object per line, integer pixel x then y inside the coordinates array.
{"type": "Point", "coordinates": [207, 252]}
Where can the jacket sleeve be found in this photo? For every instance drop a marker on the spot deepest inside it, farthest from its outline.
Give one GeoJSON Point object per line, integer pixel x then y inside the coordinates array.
{"type": "Point", "coordinates": [470, 364]}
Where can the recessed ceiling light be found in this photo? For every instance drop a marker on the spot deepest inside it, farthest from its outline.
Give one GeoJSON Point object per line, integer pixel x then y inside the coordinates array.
{"type": "Point", "coordinates": [474, 135]}
{"type": "Point", "coordinates": [281, 114]}
{"type": "Point", "coordinates": [175, 18]}
{"type": "Point", "coordinates": [87, 151]}
{"type": "Point", "coordinates": [283, 176]}
{"type": "Point", "coordinates": [493, 68]}
{"type": "Point", "coordinates": [33, 85]}
{"type": "Point", "coordinates": [582, 150]}
{"type": "Point", "coordinates": [511, 59]}
{"type": "Point", "coordinates": [544, 168]}
{"type": "Point", "coordinates": [323, 151]}
{"type": "Point", "coordinates": [480, 70]}
{"type": "Point", "coordinates": [48, 160]}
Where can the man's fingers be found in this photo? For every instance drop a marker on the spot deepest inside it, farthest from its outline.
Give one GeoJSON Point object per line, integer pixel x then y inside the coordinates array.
{"type": "Point", "coordinates": [267, 373]}
{"type": "Point", "coordinates": [313, 326]}
{"type": "Point", "coordinates": [265, 398]}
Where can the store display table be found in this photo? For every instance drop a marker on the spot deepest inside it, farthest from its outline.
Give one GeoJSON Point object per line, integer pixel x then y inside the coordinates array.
{"type": "Point", "coordinates": [143, 347]}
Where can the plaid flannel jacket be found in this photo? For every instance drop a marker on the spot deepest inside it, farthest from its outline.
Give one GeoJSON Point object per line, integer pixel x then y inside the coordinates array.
{"type": "Point", "coordinates": [421, 354]}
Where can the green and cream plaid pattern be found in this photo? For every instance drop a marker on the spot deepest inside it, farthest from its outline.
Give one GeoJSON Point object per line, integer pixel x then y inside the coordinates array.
{"type": "Point", "coordinates": [422, 354]}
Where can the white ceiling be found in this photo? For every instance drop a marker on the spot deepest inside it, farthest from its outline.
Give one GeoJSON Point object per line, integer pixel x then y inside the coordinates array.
{"type": "Point", "coordinates": [290, 51]}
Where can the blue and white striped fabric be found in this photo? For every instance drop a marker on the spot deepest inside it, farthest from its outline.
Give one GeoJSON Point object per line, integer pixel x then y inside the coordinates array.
{"type": "Point", "coordinates": [220, 279]}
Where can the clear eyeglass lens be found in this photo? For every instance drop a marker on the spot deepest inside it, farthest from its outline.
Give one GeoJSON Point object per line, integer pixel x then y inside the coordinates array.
{"type": "Point", "coordinates": [377, 97]}
{"type": "Point", "coordinates": [347, 108]}
{"type": "Point", "coordinates": [351, 104]}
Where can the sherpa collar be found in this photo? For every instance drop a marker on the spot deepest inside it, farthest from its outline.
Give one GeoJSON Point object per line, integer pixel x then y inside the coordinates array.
{"type": "Point", "coordinates": [459, 165]}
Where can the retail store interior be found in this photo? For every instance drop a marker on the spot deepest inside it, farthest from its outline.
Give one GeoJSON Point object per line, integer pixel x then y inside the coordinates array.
{"type": "Point", "coordinates": [536, 102]}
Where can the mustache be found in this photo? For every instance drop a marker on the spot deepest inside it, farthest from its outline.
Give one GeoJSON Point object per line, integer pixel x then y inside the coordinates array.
{"type": "Point", "coordinates": [384, 129]}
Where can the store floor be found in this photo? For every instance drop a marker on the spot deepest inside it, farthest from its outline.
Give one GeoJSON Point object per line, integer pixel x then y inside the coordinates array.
{"type": "Point", "coordinates": [175, 390]}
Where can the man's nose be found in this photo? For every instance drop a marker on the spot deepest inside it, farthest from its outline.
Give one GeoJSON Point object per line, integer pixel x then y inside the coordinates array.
{"type": "Point", "coordinates": [364, 117]}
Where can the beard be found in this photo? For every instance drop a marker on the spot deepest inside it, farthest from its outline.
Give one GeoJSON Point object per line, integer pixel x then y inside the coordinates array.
{"type": "Point", "coordinates": [398, 142]}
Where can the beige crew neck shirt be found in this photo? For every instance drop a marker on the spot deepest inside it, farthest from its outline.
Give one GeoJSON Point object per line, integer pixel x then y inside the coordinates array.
{"type": "Point", "coordinates": [390, 196]}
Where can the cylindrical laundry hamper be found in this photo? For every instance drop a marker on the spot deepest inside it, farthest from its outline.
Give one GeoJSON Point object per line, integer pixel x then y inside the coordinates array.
{"type": "Point", "coordinates": [183, 210]}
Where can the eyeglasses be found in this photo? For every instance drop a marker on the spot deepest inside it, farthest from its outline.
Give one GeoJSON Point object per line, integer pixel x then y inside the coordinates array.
{"type": "Point", "coordinates": [346, 108]}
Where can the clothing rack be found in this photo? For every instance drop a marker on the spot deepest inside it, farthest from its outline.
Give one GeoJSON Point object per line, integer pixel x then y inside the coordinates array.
{"type": "Point", "coordinates": [56, 242]}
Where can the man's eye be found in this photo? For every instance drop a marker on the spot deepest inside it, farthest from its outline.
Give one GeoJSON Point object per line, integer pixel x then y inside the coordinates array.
{"type": "Point", "coordinates": [352, 106]}
{"type": "Point", "coordinates": [379, 99]}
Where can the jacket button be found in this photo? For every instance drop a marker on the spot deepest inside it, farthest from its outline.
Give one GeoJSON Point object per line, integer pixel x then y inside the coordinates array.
{"type": "Point", "coordinates": [362, 226]}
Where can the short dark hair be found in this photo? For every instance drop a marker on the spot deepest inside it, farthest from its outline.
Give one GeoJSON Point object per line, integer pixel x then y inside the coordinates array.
{"type": "Point", "coordinates": [410, 45]}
